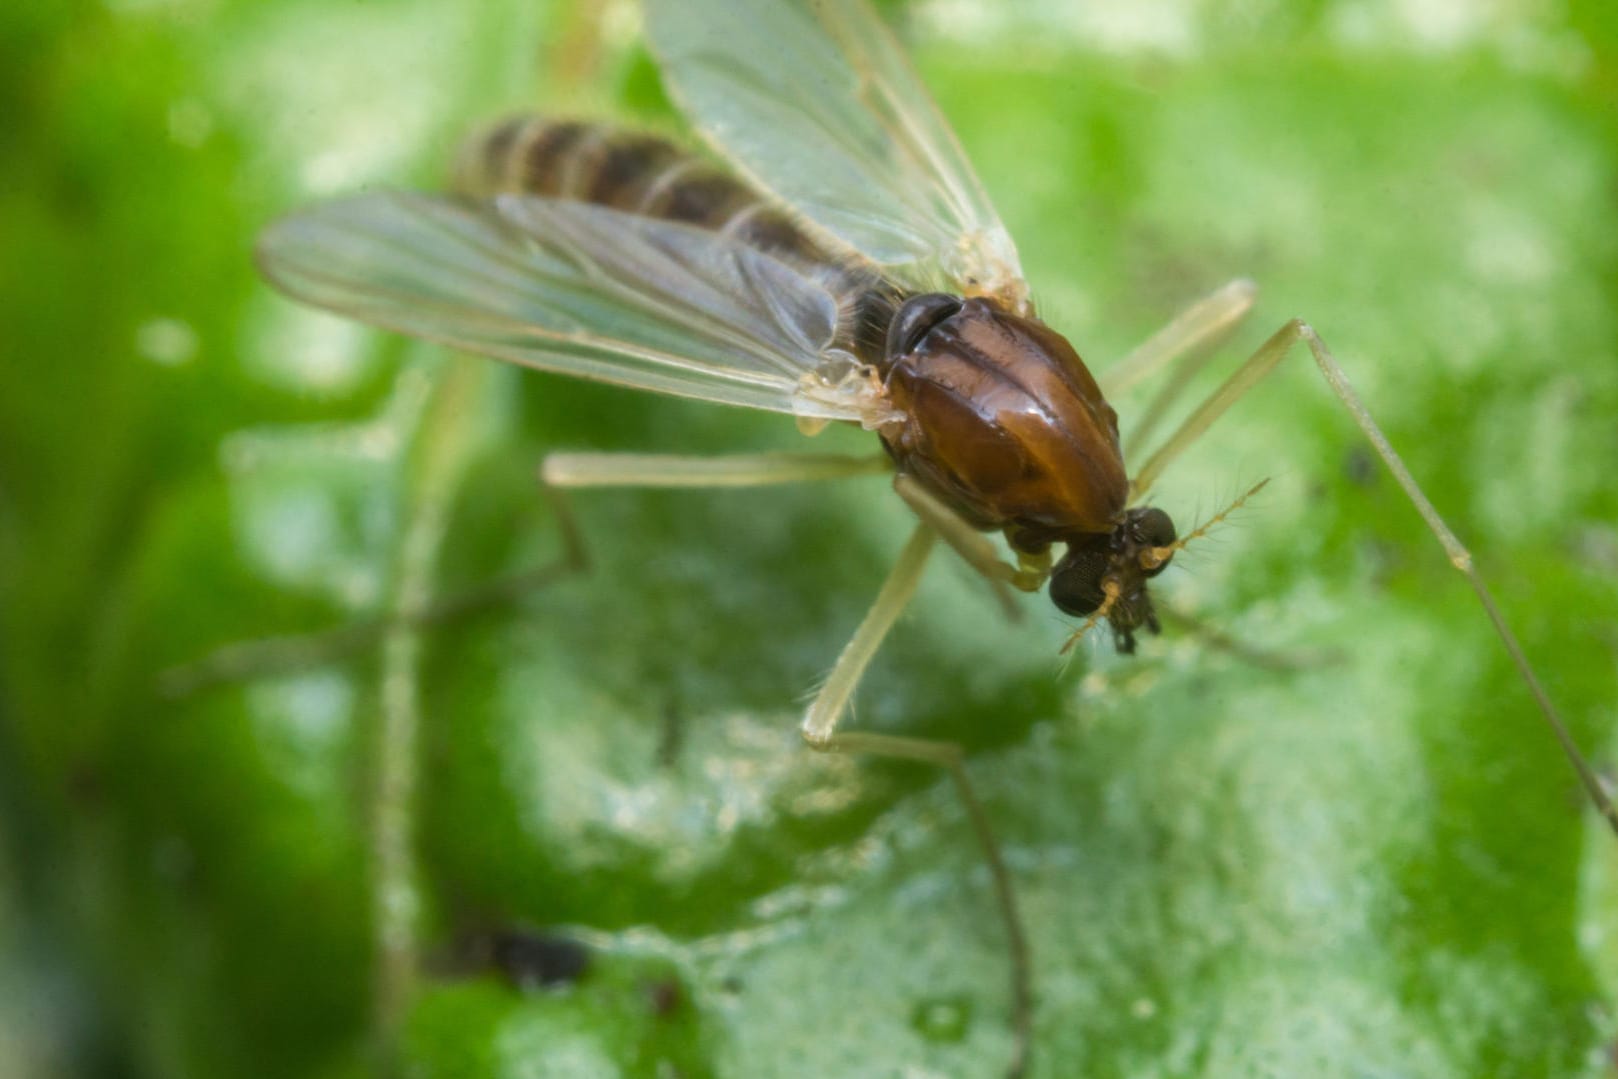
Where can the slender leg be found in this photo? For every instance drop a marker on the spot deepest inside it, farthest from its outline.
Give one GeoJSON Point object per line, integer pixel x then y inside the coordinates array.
{"type": "Point", "coordinates": [278, 655]}
{"type": "Point", "coordinates": [820, 731]}
{"type": "Point", "coordinates": [968, 542]}
{"type": "Point", "coordinates": [825, 711]}
{"type": "Point", "coordinates": [270, 656]}
{"type": "Point", "coordinates": [1194, 336]}
{"type": "Point", "coordinates": [827, 708]}
{"type": "Point", "coordinates": [668, 470]}
{"type": "Point", "coordinates": [947, 755]}
{"type": "Point", "coordinates": [1261, 363]}
{"type": "Point", "coordinates": [1195, 331]}
{"type": "Point", "coordinates": [1291, 659]}
{"type": "Point", "coordinates": [1265, 360]}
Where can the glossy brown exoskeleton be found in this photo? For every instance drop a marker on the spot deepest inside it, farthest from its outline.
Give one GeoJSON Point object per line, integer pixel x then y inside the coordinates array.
{"type": "Point", "coordinates": [1002, 421]}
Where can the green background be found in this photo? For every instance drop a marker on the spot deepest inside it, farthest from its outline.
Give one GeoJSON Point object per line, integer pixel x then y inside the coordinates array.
{"type": "Point", "coordinates": [1374, 865]}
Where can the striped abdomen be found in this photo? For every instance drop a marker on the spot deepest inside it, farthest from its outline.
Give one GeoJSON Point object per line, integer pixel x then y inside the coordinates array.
{"type": "Point", "coordinates": [646, 174]}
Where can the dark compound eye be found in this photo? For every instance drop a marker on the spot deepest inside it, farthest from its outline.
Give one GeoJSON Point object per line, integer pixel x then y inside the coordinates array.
{"type": "Point", "coordinates": [1152, 528]}
{"type": "Point", "coordinates": [916, 319]}
{"type": "Point", "coordinates": [1076, 580]}
{"type": "Point", "coordinates": [1146, 528]}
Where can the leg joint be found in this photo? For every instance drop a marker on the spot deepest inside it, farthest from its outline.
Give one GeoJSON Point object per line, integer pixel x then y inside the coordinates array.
{"type": "Point", "coordinates": [818, 741]}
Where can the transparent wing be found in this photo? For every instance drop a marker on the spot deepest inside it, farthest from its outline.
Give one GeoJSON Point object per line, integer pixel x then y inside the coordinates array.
{"type": "Point", "coordinates": [816, 101]}
{"type": "Point", "coordinates": [579, 289]}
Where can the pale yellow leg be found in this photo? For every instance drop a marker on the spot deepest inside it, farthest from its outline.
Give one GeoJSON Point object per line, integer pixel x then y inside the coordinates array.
{"type": "Point", "coordinates": [972, 545]}
{"type": "Point", "coordinates": [1196, 330]}
{"type": "Point", "coordinates": [827, 708]}
{"type": "Point", "coordinates": [734, 470]}
{"type": "Point", "coordinates": [948, 755]}
{"type": "Point", "coordinates": [1193, 337]}
{"type": "Point", "coordinates": [1265, 360]}
{"type": "Point", "coordinates": [277, 655]}
{"type": "Point", "coordinates": [820, 732]}
{"type": "Point", "coordinates": [269, 656]}
{"type": "Point", "coordinates": [831, 702]}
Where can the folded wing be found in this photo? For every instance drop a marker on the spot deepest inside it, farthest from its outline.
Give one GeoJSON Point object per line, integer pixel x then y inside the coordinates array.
{"type": "Point", "coordinates": [579, 289]}
{"type": "Point", "coordinates": [816, 101]}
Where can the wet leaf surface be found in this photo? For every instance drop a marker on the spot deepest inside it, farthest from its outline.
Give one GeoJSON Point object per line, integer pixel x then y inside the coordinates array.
{"type": "Point", "coordinates": [1376, 863]}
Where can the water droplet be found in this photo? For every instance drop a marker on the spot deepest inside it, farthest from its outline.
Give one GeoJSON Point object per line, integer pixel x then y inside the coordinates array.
{"type": "Point", "coordinates": [943, 1019]}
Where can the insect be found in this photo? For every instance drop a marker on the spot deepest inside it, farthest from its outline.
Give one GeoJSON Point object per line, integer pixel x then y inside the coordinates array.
{"type": "Point", "coordinates": [843, 265]}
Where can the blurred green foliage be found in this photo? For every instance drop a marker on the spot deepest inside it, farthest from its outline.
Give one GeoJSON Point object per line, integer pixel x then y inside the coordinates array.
{"type": "Point", "coordinates": [1376, 864]}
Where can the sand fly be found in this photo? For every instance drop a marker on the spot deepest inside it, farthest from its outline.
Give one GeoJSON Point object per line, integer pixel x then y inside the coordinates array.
{"type": "Point", "coordinates": [835, 260]}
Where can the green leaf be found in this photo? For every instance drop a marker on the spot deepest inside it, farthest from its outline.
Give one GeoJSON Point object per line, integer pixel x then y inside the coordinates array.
{"type": "Point", "coordinates": [1373, 863]}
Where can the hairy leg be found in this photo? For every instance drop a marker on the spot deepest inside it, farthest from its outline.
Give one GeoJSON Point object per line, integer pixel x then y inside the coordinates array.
{"type": "Point", "coordinates": [820, 732]}
{"type": "Point", "coordinates": [1266, 359]}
